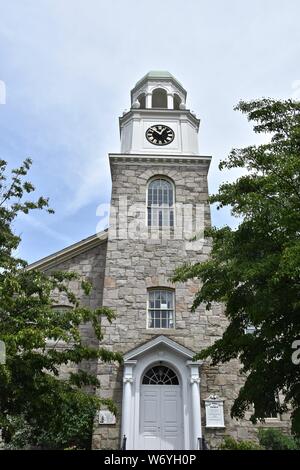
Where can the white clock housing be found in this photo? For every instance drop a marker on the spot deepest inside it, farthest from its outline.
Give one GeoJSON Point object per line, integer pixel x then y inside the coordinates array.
{"type": "Point", "coordinates": [159, 99]}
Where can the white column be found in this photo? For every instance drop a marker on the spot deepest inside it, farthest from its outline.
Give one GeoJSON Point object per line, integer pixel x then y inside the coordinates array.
{"type": "Point", "coordinates": [127, 405]}
{"type": "Point", "coordinates": [170, 101]}
{"type": "Point", "coordinates": [196, 403]}
{"type": "Point", "coordinates": [148, 100]}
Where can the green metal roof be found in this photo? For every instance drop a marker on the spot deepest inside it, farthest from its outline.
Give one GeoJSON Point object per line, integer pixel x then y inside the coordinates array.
{"type": "Point", "coordinates": [157, 74]}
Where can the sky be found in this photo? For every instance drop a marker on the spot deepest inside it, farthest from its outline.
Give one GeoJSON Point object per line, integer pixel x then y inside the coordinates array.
{"type": "Point", "coordinates": [67, 68]}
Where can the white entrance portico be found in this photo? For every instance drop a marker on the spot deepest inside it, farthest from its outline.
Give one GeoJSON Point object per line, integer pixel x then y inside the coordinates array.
{"type": "Point", "coordinates": [161, 397]}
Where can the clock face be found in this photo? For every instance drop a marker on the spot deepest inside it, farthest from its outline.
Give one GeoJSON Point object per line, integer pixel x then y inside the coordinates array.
{"type": "Point", "coordinates": [159, 134]}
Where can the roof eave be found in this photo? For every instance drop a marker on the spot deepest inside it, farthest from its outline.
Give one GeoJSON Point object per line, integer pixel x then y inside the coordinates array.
{"type": "Point", "coordinates": [146, 79]}
{"type": "Point", "coordinates": [69, 252]}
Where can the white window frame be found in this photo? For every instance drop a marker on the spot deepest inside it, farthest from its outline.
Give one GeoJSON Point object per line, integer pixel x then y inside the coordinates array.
{"type": "Point", "coordinates": [162, 207]}
{"type": "Point", "coordinates": [161, 310]}
{"type": "Point", "coordinates": [271, 419]}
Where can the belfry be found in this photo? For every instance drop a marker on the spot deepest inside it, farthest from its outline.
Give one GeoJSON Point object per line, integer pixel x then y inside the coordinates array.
{"type": "Point", "coordinates": [159, 210]}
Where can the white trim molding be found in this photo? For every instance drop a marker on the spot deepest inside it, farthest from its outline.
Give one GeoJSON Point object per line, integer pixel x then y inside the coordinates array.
{"type": "Point", "coordinates": [127, 400]}
{"type": "Point", "coordinates": [161, 350]}
{"type": "Point", "coordinates": [158, 341]}
{"type": "Point", "coordinates": [134, 159]}
{"type": "Point", "coordinates": [196, 402]}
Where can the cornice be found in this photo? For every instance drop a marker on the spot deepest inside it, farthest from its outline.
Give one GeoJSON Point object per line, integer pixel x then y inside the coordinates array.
{"type": "Point", "coordinates": [155, 159]}
{"type": "Point", "coordinates": [69, 252]}
{"type": "Point", "coordinates": [157, 113]}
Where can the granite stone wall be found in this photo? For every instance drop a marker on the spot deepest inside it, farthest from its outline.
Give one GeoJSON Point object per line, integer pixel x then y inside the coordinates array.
{"type": "Point", "coordinates": [122, 270]}
{"type": "Point", "coordinates": [134, 265]}
{"type": "Point", "coordinates": [90, 265]}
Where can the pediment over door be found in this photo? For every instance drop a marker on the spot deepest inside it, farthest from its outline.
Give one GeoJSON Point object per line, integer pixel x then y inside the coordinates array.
{"type": "Point", "coordinates": [157, 342]}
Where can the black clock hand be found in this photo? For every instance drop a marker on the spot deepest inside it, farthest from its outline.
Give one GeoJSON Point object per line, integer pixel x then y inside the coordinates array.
{"type": "Point", "coordinates": [158, 136]}
{"type": "Point", "coordinates": [157, 131]}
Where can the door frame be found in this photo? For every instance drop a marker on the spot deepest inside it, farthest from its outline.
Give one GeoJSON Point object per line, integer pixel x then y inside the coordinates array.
{"type": "Point", "coordinates": [166, 351]}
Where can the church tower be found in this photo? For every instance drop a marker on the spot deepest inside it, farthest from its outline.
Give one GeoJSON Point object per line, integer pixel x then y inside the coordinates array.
{"type": "Point", "coordinates": [159, 210]}
{"type": "Point", "coordinates": [159, 202]}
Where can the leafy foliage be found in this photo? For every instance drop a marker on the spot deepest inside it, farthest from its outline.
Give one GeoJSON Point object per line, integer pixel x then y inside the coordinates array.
{"type": "Point", "coordinates": [229, 443]}
{"type": "Point", "coordinates": [255, 270]}
{"type": "Point", "coordinates": [69, 426]}
{"type": "Point", "coordinates": [269, 439]}
{"type": "Point", "coordinates": [274, 439]}
{"type": "Point", "coordinates": [32, 395]}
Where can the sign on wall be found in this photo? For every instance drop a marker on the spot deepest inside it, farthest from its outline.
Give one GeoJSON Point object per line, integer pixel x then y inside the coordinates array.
{"type": "Point", "coordinates": [214, 412]}
{"type": "Point", "coordinates": [106, 417]}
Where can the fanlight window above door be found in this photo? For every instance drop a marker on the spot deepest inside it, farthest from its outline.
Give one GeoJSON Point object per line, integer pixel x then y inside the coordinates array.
{"type": "Point", "coordinates": [160, 375]}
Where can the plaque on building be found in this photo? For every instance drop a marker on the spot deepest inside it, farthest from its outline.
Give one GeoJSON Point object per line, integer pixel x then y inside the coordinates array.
{"type": "Point", "coordinates": [106, 417]}
{"type": "Point", "coordinates": [214, 412]}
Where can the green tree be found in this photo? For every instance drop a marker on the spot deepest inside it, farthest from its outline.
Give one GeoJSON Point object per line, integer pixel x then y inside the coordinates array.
{"type": "Point", "coordinates": [274, 439]}
{"type": "Point", "coordinates": [269, 439]}
{"type": "Point", "coordinates": [254, 270]}
{"type": "Point", "coordinates": [229, 443]}
{"type": "Point", "coordinates": [52, 412]}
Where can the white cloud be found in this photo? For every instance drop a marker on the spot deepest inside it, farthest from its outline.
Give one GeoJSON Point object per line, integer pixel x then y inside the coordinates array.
{"type": "Point", "coordinates": [2, 92]}
{"type": "Point", "coordinates": [69, 66]}
{"type": "Point", "coordinates": [46, 230]}
{"type": "Point", "coordinates": [91, 183]}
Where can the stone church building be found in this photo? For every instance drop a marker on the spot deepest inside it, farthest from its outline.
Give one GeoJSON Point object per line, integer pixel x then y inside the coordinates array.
{"type": "Point", "coordinates": [159, 208]}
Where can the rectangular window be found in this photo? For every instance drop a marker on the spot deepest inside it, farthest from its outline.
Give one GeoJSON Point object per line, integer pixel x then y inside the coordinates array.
{"type": "Point", "coordinates": [274, 416]}
{"type": "Point", "coordinates": [160, 308]}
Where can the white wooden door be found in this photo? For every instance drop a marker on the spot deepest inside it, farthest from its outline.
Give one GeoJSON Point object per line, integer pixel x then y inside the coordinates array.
{"type": "Point", "coordinates": [161, 417]}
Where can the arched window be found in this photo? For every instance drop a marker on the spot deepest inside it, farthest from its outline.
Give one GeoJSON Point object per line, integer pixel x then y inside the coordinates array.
{"type": "Point", "coordinates": [142, 100]}
{"type": "Point", "coordinates": [159, 98]}
{"type": "Point", "coordinates": [160, 203]}
{"type": "Point", "coordinates": [177, 101]}
{"type": "Point", "coordinates": [161, 308]}
{"type": "Point", "coordinates": [160, 375]}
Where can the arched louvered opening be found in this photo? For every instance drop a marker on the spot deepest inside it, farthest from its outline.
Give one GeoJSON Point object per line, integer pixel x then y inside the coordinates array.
{"type": "Point", "coordinates": [177, 101]}
{"type": "Point", "coordinates": [159, 98]}
{"type": "Point", "coordinates": [142, 100]}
